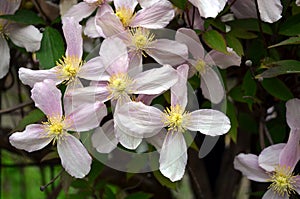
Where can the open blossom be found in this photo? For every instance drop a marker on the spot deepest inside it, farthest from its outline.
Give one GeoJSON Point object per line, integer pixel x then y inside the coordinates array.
{"type": "Point", "coordinates": [209, 8]}
{"type": "Point", "coordinates": [142, 121]}
{"type": "Point", "coordinates": [74, 157]}
{"type": "Point", "coordinates": [25, 36]}
{"type": "Point", "coordinates": [267, 167]}
{"type": "Point", "coordinates": [270, 11]}
{"type": "Point", "coordinates": [211, 84]}
{"type": "Point", "coordinates": [71, 66]}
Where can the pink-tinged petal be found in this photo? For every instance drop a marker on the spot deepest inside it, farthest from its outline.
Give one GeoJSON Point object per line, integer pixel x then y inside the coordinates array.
{"type": "Point", "coordinates": [268, 159]}
{"type": "Point", "coordinates": [129, 4]}
{"type": "Point", "coordinates": [158, 139]}
{"type": "Point", "coordinates": [270, 194]}
{"type": "Point", "coordinates": [155, 81]}
{"type": "Point", "coordinates": [139, 120]}
{"type": "Point", "coordinates": [27, 37]}
{"type": "Point", "coordinates": [298, 2]}
{"type": "Point", "coordinates": [104, 139]}
{"type": "Point", "coordinates": [191, 39]}
{"type": "Point", "coordinates": [209, 8]}
{"type": "Point", "coordinates": [211, 85]}
{"type": "Point", "coordinates": [270, 11]}
{"type": "Point", "coordinates": [224, 60]}
{"type": "Point", "coordinates": [248, 165]}
{"type": "Point", "coordinates": [5, 57]}
{"type": "Point", "coordinates": [173, 156]}
{"type": "Point", "coordinates": [156, 16]}
{"type": "Point", "coordinates": [290, 154]}
{"type": "Point", "coordinates": [93, 70]}
{"type": "Point", "coordinates": [86, 117]}
{"type": "Point", "coordinates": [146, 99]}
{"type": "Point", "coordinates": [74, 157]}
{"type": "Point", "coordinates": [244, 9]}
{"type": "Point", "coordinates": [166, 51]}
{"type": "Point", "coordinates": [147, 3]}
{"type": "Point", "coordinates": [68, 102]}
{"type": "Point", "coordinates": [110, 24]}
{"type": "Point", "coordinates": [114, 56]}
{"type": "Point", "coordinates": [33, 138]}
{"type": "Point", "coordinates": [80, 11]}
{"type": "Point", "coordinates": [47, 98]}
{"type": "Point", "coordinates": [179, 90]}
{"type": "Point", "coordinates": [297, 188]}
{"type": "Point", "coordinates": [89, 94]}
{"type": "Point", "coordinates": [9, 6]}
{"type": "Point", "coordinates": [293, 113]}
{"type": "Point", "coordinates": [209, 122]}
{"type": "Point", "coordinates": [73, 35]}
{"type": "Point", "coordinates": [30, 77]}
{"type": "Point", "coordinates": [92, 30]}
{"type": "Point", "coordinates": [198, 22]}
{"type": "Point", "coordinates": [128, 141]}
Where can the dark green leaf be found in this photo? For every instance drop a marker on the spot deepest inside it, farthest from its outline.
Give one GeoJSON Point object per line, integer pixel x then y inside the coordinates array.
{"type": "Point", "coordinates": [52, 48]}
{"type": "Point", "coordinates": [235, 44]}
{"type": "Point", "coordinates": [163, 180]}
{"type": "Point", "coordinates": [216, 23]}
{"type": "Point", "coordinates": [291, 27]}
{"type": "Point", "coordinates": [249, 87]}
{"type": "Point", "coordinates": [280, 68]}
{"type": "Point", "coordinates": [215, 40]}
{"type": "Point", "coordinates": [108, 193]}
{"type": "Point", "coordinates": [139, 195]}
{"type": "Point", "coordinates": [179, 3]}
{"type": "Point", "coordinates": [289, 41]}
{"type": "Point", "coordinates": [277, 88]}
{"type": "Point", "coordinates": [231, 113]}
{"type": "Point", "coordinates": [24, 17]}
{"type": "Point", "coordinates": [250, 25]}
{"type": "Point", "coordinates": [34, 116]}
{"type": "Point", "coordinates": [242, 33]}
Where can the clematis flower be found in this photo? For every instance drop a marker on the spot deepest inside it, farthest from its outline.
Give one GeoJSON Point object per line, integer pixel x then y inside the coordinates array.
{"type": "Point", "coordinates": [211, 84]}
{"type": "Point", "coordinates": [268, 167]}
{"type": "Point", "coordinates": [71, 66]}
{"type": "Point", "coordinates": [298, 2]}
{"type": "Point", "coordinates": [142, 121]}
{"type": "Point", "coordinates": [270, 11]}
{"type": "Point", "coordinates": [74, 157]}
{"type": "Point", "coordinates": [209, 8]}
{"type": "Point", "coordinates": [118, 83]}
{"type": "Point", "coordinates": [27, 37]}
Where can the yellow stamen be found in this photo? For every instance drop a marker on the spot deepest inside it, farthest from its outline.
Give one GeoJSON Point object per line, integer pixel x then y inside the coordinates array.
{"type": "Point", "coordinates": [175, 118]}
{"type": "Point", "coordinates": [141, 38]}
{"type": "Point", "coordinates": [125, 15]}
{"type": "Point", "coordinates": [55, 127]}
{"type": "Point", "coordinates": [200, 66]}
{"type": "Point", "coordinates": [68, 67]}
{"type": "Point", "coordinates": [119, 85]}
{"type": "Point", "coordinates": [98, 3]}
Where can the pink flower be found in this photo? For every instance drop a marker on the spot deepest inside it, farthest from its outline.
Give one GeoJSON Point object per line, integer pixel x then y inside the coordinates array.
{"type": "Point", "coordinates": [211, 85]}
{"type": "Point", "coordinates": [27, 37]}
{"type": "Point", "coordinates": [209, 8]}
{"type": "Point", "coordinates": [141, 121]}
{"type": "Point", "coordinates": [74, 157]}
{"type": "Point", "coordinates": [267, 167]}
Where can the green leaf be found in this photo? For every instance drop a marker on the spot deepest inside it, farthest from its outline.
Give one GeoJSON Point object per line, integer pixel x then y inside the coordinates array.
{"type": "Point", "coordinates": [215, 23]}
{"type": "Point", "coordinates": [250, 25]}
{"type": "Point", "coordinates": [242, 33]}
{"type": "Point", "coordinates": [108, 193]}
{"type": "Point", "coordinates": [235, 44]}
{"type": "Point", "coordinates": [231, 113]}
{"type": "Point", "coordinates": [139, 195]}
{"type": "Point", "coordinates": [163, 180]}
{"type": "Point", "coordinates": [277, 88]}
{"type": "Point", "coordinates": [291, 26]}
{"type": "Point", "coordinates": [289, 41]}
{"type": "Point", "coordinates": [215, 40]}
{"type": "Point", "coordinates": [249, 87]}
{"type": "Point", "coordinates": [34, 116]}
{"type": "Point", "coordinates": [280, 68]}
{"type": "Point", "coordinates": [179, 4]}
{"type": "Point", "coordinates": [27, 17]}
{"type": "Point", "coordinates": [52, 48]}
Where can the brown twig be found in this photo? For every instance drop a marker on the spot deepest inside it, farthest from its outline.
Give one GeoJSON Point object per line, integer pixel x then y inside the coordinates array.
{"type": "Point", "coordinates": [14, 108]}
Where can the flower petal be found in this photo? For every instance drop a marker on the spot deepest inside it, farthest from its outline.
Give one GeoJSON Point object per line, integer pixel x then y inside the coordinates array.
{"type": "Point", "coordinates": [110, 24]}
{"type": "Point", "coordinates": [86, 116]}
{"type": "Point", "coordinates": [128, 141]}
{"type": "Point", "coordinates": [179, 90]}
{"type": "Point", "coordinates": [139, 120]}
{"type": "Point", "coordinates": [166, 51]}
{"type": "Point", "coordinates": [74, 157]}
{"type": "Point", "coordinates": [211, 85]}
{"type": "Point", "coordinates": [5, 57]}
{"type": "Point", "coordinates": [80, 11]}
{"type": "Point", "coordinates": [268, 159]}
{"type": "Point", "coordinates": [224, 60]}
{"type": "Point", "coordinates": [244, 9]}
{"type": "Point", "coordinates": [33, 138]}
{"type": "Point", "coordinates": [158, 139]}
{"type": "Point", "coordinates": [209, 122]}
{"type": "Point", "coordinates": [155, 81]}
{"type": "Point", "coordinates": [93, 70]}
{"type": "Point", "coordinates": [173, 156]}
{"type": "Point", "coordinates": [27, 37]}
{"type": "Point", "coordinates": [248, 165]}
{"type": "Point", "coordinates": [129, 4]}
{"type": "Point", "coordinates": [293, 113]}
{"type": "Point", "coordinates": [47, 98]}
{"type": "Point", "coordinates": [73, 35]}
{"type": "Point", "coordinates": [104, 139]}
{"type": "Point", "coordinates": [270, 194]}
{"type": "Point", "coordinates": [270, 11]}
{"type": "Point", "coordinates": [209, 8]}
{"type": "Point", "coordinates": [9, 7]}
{"type": "Point", "coordinates": [30, 77]}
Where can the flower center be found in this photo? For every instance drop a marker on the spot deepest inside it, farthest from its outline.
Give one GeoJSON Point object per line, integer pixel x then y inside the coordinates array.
{"type": "Point", "coordinates": [69, 67]}
{"type": "Point", "coordinates": [141, 38]}
{"type": "Point", "coordinates": [200, 66]}
{"type": "Point", "coordinates": [119, 84]}
{"type": "Point", "coordinates": [283, 181]}
{"type": "Point", "coordinates": [125, 15]}
{"type": "Point", "coordinates": [174, 118]}
{"type": "Point", "coordinates": [55, 127]}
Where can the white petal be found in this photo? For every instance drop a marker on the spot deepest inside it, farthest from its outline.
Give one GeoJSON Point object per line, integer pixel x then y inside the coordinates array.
{"type": "Point", "coordinates": [270, 194]}
{"type": "Point", "coordinates": [293, 113]}
{"type": "Point", "coordinates": [89, 94]}
{"type": "Point", "coordinates": [129, 142]}
{"type": "Point", "coordinates": [270, 11]}
{"type": "Point", "coordinates": [47, 98]}
{"type": "Point", "coordinates": [31, 139]}
{"type": "Point", "coordinates": [110, 24]}
{"type": "Point", "coordinates": [104, 139]}
{"type": "Point", "coordinates": [93, 70]}
{"type": "Point", "coordinates": [209, 122]}
{"type": "Point", "coordinates": [244, 9]}
{"type": "Point", "coordinates": [155, 81]}
{"type": "Point", "coordinates": [209, 8]}
{"type": "Point", "coordinates": [224, 60]}
{"type": "Point", "coordinates": [74, 157]}
{"type": "Point", "coordinates": [9, 7]}
{"type": "Point", "coordinates": [179, 90]}
{"type": "Point", "coordinates": [158, 139]}
{"type": "Point", "coordinates": [248, 165]}
{"type": "Point", "coordinates": [92, 30]}
{"type": "Point", "coordinates": [129, 4]}
{"type": "Point", "coordinates": [5, 57]}
{"type": "Point", "coordinates": [173, 156]}
{"type": "Point", "coordinates": [80, 11]}
{"type": "Point", "coordinates": [268, 159]}
{"type": "Point", "coordinates": [27, 37]}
